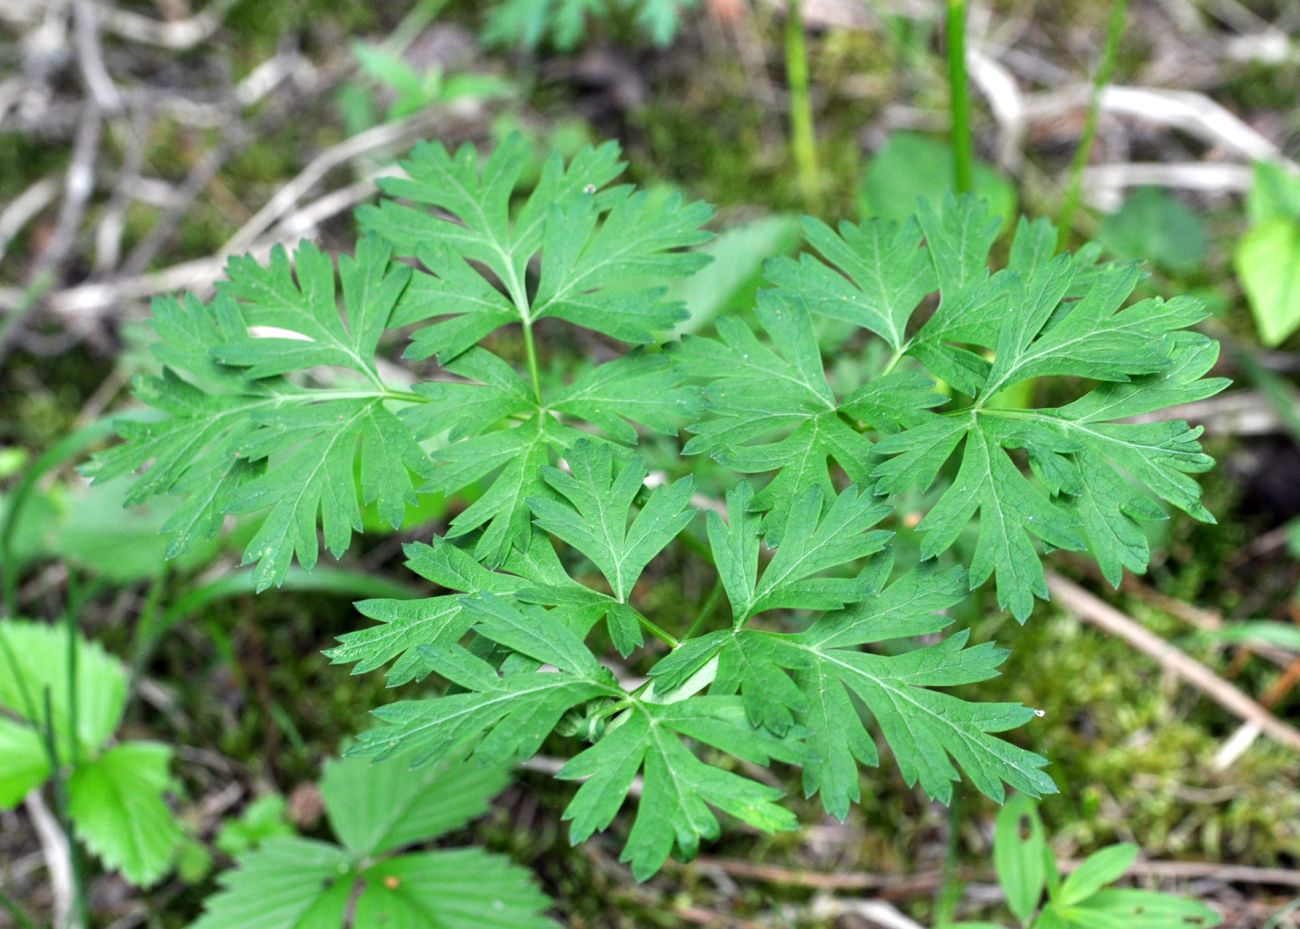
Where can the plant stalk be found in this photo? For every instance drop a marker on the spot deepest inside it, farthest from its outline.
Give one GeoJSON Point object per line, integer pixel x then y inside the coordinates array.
{"type": "Point", "coordinates": [20, 918]}
{"type": "Point", "coordinates": [1105, 69]}
{"type": "Point", "coordinates": [945, 904]}
{"type": "Point", "coordinates": [803, 142]}
{"type": "Point", "coordinates": [533, 373]}
{"type": "Point", "coordinates": [963, 148]}
{"type": "Point", "coordinates": [78, 910]}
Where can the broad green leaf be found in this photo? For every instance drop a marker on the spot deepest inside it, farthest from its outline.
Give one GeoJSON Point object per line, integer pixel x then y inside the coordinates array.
{"type": "Point", "coordinates": [116, 803]}
{"type": "Point", "coordinates": [1154, 226]}
{"type": "Point", "coordinates": [26, 762]}
{"type": "Point", "coordinates": [1019, 847]}
{"type": "Point", "coordinates": [294, 883]}
{"type": "Point", "coordinates": [1142, 909]}
{"type": "Point", "coordinates": [1269, 632]}
{"type": "Point", "coordinates": [1267, 259]}
{"type": "Point", "coordinates": [123, 547]}
{"type": "Point", "coordinates": [911, 166]}
{"type": "Point", "coordinates": [41, 653]}
{"type": "Point", "coordinates": [730, 281]}
{"type": "Point", "coordinates": [286, 883]}
{"type": "Point", "coordinates": [1095, 872]}
{"type": "Point", "coordinates": [456, 889]}
{"type": "Point", "coordinates": [381, 807]}
{"type": "Point", "coordinates": [1275, 193]}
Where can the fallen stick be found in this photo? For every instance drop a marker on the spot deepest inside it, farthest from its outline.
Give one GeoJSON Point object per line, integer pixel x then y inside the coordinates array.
{"type": "Point", "coordinates": [1104, 616]}
{"type": "Point", "coordinates": [896, 886]}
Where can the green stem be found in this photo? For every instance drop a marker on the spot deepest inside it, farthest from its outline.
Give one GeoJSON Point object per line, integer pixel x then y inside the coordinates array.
{"type": "Point", "coordinates": [895, 358]}
{"type": "Point", "coordinates": [146, 633]}
{"type": "Point", "coordinates": [1114, 30]}
{"type": "Point", "coordinates": [21, 919]}
{"type": "Point", "coordinates": [945, 904]}
{"type": "Point", "coordinates": [963, 149]}
{"type": "Point", "coordinates": [415, 22]}
{"type": "Point", "coordinates": [706, 611]}
{"type": "Point", "coordinates": [663, 635]}
{"type": "Point", "coordinates": [531, 349]}
{"type": "Point", "coordinates": [71, 628]}
{"type": "Point", "coordinates": [802, 139]}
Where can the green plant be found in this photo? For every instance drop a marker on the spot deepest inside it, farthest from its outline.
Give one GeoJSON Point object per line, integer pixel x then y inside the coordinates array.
{"type": "Point", "coordinates": [1153, 226]}
{"type": "Point", "coordinates": [963, 142]}
{"type": "Point", "coordinates": [803, 138]}
{"type": "Point", "coordinates": [911, 167]}
{"type": "Point", "coordinates": [1267, 257]}
{"type": "Point", "coordinates": [1105, 68]}
{"type": "Point", "coordinates": [371, 877]}
{"type": "Point", "coordinates": [64, 701]}
{"type": "Point", "coordinates": [826, 642]}
{"type": "Point", "coordinates": [564, 22]}
{"type": "Point", "coordinates": [411, 89]}
{"type": "Point", "coordinates": [1027, 869]}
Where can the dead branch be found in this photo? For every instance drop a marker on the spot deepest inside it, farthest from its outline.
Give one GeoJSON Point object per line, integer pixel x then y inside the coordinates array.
{"type": "Point", "coordinates": [1101, 614]}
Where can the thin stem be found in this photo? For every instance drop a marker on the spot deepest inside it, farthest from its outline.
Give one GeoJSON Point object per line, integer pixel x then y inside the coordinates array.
{"type": "Point", "coordinates": [802, 139]}
{"type": "Point", "coordinates": [409, 29]}
{"type": "Point", "coordinates": [945, 904]}
{"type": "Point", "coordinates": [663, 635]}
{"type": "Point", "coordinates": [1106, 68]}
{"type": "Point", "coordinates": [706, 611]}
{"type": "Point", "coordinates": [21, 919]}
{"type": "Point", "coordinates": [963, 149]}
{"type": "Point", "coordinates": [70, 627]}
{"type": "Point", "coordinates": [895, 358]}
{"type": "Point", "coordinates": [75, 862]}
{"type": "Point", "coordinates": [531, 349]}
{"type": "Point", "coordinates": [146, 635]}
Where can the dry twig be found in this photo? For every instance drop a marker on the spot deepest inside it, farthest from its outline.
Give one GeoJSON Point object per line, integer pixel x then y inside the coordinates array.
{"type": "Point", "coordinates": [1101, 614]}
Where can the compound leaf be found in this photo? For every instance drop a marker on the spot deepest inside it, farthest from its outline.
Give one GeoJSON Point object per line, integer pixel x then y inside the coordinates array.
{"type": "Point", "coordinates": [604, 255]}
{"type": "Point", "coordinates": [674, 813]}
{"type": "Point", "coordinates": [600, 492]}
{"type": "Point", "coordinates": [231, 408]}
